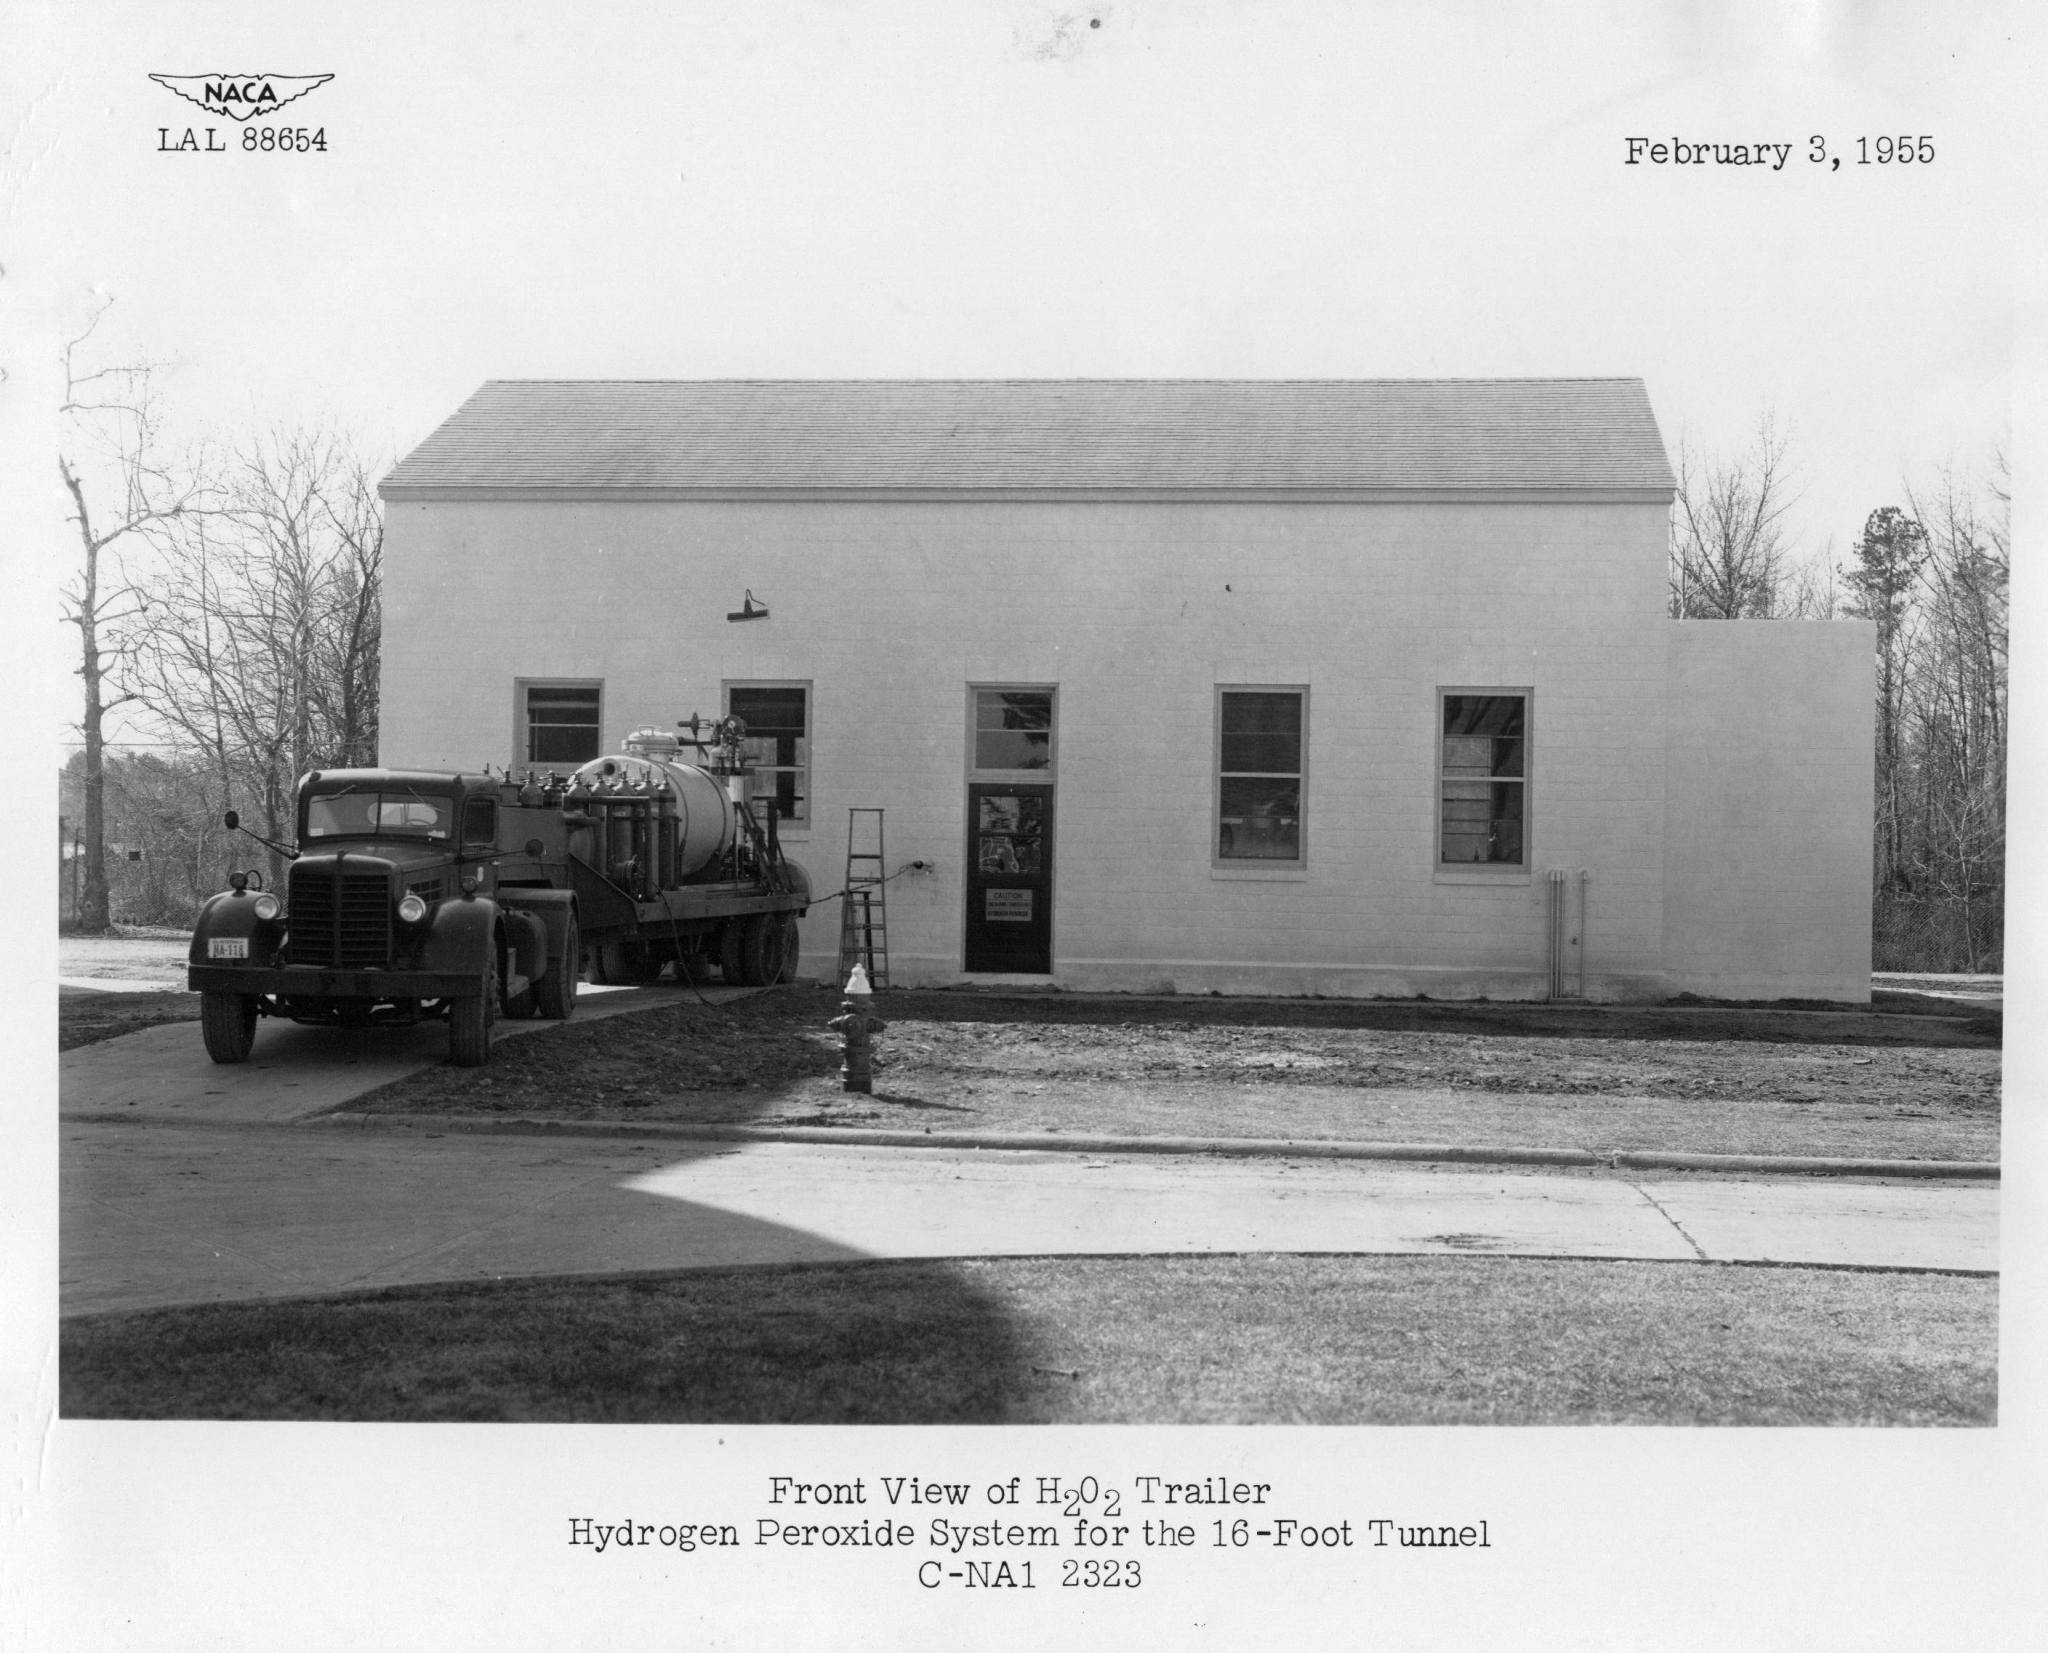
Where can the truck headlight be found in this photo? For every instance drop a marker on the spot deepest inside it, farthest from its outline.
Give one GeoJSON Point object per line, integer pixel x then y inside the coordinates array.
{"type": "Point", "coordinates": [267, 907]}
{"type": "Point", "coordinates": [411, 909]}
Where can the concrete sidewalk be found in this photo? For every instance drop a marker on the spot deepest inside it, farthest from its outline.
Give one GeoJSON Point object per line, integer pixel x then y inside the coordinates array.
{"type": "Point", "coordinates": [159, 1215]}
{"type": "Point", "coordinates": [162, 1073]}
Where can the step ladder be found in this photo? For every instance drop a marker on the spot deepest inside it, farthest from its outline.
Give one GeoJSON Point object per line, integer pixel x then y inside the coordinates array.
{"type": "Point", "coordinates": [864, 913]}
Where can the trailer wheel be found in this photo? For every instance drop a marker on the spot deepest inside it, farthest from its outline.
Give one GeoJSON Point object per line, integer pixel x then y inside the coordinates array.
{"type": "Point", "coordinates": [469, 1022]}
{"type": "Point", "coordinates": [791, 947]}
{"type": "Point", "coordinates": [761, 950]}
{"type": "Point", "coordinates": [556, 992]}
{"type": "Point", "coordinates": [227, 1021]}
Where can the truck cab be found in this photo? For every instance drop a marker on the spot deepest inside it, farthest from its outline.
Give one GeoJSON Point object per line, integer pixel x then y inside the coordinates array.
{"type": "Point", "coordinates": [391, 913]}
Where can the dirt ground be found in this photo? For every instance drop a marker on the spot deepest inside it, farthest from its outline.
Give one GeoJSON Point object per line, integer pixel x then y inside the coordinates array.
{"type": "Point", "coordinates": [1909, 1078]}
{"type": "Point", "coordinates": [1912, 1076]}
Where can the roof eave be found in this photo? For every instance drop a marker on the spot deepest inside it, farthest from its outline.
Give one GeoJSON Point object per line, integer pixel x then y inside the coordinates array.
{"type": "Point", "coordinates": [1572, 494]}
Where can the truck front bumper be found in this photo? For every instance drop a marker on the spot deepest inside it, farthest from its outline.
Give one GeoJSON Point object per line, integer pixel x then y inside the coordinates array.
{"type": "Point", "coordinates": [311, 981]}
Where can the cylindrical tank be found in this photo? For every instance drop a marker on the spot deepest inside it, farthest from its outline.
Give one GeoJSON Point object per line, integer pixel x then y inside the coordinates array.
{"type": "Point", "coordinates": [704, 821]}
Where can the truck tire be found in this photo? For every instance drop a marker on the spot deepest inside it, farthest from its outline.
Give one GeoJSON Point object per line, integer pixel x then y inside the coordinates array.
{"type": "Point", "coordinates": [469, 1023]}
{"type": "Point", "coordinates": [227, 1021]}
{"type": "Point", "coordinates": [732, 936]}
{"type": "Point", "coordinates": [760, 952]}
{"type": "Point", "coordinates": [792, 946]}
{"type": "Point", "coordinates": [556, 993]}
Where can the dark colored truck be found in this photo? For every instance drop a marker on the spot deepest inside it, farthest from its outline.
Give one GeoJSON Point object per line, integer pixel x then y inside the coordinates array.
{"type": "Point", "coordinates": [421, 895]}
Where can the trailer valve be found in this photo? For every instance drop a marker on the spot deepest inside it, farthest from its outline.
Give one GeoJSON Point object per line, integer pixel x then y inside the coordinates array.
{"type": "Point", "coordinates": [857, 1027]}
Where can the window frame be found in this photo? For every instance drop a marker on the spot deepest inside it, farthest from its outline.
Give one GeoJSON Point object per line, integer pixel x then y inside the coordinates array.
{"type": "Point", "coordinates": [806, 770]}
{"type": "Point", "coordinates": [522, 721]}
{"type": "Point", "coordinates": [1261, 866]}
{"type": "Point", "coordinates": [1458, 872]}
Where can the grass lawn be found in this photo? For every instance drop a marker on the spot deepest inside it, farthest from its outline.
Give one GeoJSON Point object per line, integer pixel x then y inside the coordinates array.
{"type": "Point", "coordinates": [1909, 1078]}
{"type": "Point", "coordinates": [87, 1015]}
{"type": "Point", "coordinates": [1234, 1339]}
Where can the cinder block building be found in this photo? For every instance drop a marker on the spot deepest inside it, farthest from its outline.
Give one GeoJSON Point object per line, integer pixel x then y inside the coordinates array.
{"type": "Point", "coordinates": [1350, 688]}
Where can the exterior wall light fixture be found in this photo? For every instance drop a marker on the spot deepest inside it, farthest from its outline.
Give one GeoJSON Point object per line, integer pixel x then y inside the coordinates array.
{"type": "Point", "coordinates": [749, 610]}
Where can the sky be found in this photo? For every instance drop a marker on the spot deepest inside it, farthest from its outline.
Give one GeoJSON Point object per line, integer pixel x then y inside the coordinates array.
{"type": "Point", "coordinates": [1269, 188]}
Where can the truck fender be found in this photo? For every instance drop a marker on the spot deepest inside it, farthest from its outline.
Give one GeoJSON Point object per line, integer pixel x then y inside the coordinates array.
{"type": "Point", "coordinates": [553, 909]}
{"type": "Point", "coordinates": [232, 913]}
{"type": "Point", "coordinates": [460, 935]}
{"type": "Point", "coordinates": [527, 938]}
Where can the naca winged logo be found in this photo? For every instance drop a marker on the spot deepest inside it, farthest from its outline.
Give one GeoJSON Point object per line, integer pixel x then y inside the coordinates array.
{"type": "Point", "coordinates": [241, 97]}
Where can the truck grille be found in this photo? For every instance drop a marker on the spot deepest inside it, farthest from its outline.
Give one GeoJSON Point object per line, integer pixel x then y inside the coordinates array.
{"type": "Point", "coordinates": [342, 919]}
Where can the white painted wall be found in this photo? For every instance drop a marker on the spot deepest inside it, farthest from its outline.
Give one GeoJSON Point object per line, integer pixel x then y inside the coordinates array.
{"type": "Point", "coordinates": [1135, 612]}
{"type": "Point", "coordinates": [1768, 808]}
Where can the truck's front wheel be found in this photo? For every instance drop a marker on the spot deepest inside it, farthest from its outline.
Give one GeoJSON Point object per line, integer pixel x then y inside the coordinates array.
{"type": "Point", "coordinates": [469, 1023]}
{"type": "Point", "coordinates": [228, 1022]}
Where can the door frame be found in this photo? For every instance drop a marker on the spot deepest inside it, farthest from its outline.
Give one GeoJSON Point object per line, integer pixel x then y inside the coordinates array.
{"type": "Point", "coordinates": [1047, 777]}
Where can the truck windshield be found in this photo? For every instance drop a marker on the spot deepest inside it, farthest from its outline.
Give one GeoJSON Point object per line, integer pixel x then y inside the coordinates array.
{"type": "Point", "coordinates": [378, 815]}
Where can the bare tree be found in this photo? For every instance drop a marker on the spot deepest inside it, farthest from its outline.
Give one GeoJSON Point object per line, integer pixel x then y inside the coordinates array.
{"type": "Point", "coordinates": [1729, 560]}
{"type": "Point", "coordinates": [262, 650]}
{"type": "Point", "coordinates": [1882, 585]}
{"type": "Point", "coordinates": [1955, 705]}
{"type": "Point", "coordinates": [113, 454]}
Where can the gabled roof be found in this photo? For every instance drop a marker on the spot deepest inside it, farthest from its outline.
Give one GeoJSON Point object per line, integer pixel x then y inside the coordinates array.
{"type": "Point", "coordinates": [663, 439]}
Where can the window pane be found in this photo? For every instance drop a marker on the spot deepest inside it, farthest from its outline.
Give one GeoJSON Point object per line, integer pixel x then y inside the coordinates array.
{"type": "Point", "coordinates": [776, 747]}
{"type": "Point", "coordinates": [1013, 709]}
{"type": "Point", "coordinates": [1260, 820]}
{"type": "Point", "coordinates": [1483, 714]}
{"type": "Point", "coordinates": [561, 724]}
{"type": "Point", "coordinates": [1261, 754]}
{"type": "Point", "coordinates": [1482, 821]}
{"type": "Point", "coordinates": [778, 712]}
{"type": "Point", "coordinates": [1013, 729]}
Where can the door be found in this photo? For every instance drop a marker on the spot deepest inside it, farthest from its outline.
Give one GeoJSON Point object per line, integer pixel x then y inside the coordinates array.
{"type": "Point", "coordinates": [1009, 878]}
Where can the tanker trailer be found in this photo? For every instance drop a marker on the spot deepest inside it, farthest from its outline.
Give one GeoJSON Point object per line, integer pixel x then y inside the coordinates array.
{"type": "Point", "coordinates": [670, 865]}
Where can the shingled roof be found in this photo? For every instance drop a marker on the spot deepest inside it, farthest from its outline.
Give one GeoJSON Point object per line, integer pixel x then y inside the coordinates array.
{"type": "Point", "coordinates": [680, 439]}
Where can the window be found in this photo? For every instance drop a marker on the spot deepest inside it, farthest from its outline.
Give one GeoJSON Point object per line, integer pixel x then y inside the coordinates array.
{"type": "Point", "coordinates": [1483, 811]}
{"type": "Point", "coordinates": [559, 722]}
{"type": "Point", "coordinates": [349, 813]}
{"type": "Point", "coordinates": [479, 823]}
{"type": "Point", "coordinates": [1261, 779]}
{"type": "Point", "coordinates": [1012, 729]}
{"type": "Point", "coordinates": [777, 747]}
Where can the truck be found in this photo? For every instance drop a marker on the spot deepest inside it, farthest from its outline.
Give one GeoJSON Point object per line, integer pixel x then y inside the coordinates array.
{"type": "Point", "coordinates": [418, 895]}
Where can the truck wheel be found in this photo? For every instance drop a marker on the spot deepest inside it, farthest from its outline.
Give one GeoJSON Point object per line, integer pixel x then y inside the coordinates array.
{"type": "Point", "coordinates": [759, 958]}
{"type": "Point", "coordinates": [771, 944]}
{"type": "Point", "coordinates": [792, 946]}
{"type": "Point", "coordinates": [611, 963]}
{"type": "Point", "coordinates": [469, 1023]}
{"type": "Point", "coordinates": [228, 1023]}
{"type": "Point", "coordinates": [556, 994]}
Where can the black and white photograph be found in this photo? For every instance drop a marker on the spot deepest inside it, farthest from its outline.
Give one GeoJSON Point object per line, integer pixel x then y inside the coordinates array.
{"type": "Point", "coordinates": [1023, 825]}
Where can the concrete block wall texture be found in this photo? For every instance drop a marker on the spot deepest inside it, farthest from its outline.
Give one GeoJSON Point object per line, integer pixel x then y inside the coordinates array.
{"type": "Point", "coordinates": [1768, 808]}
{"type": "Point", "coordinates": [1134, 613]}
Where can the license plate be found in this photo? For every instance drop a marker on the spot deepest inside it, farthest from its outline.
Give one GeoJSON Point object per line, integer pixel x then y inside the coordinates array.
{"type": "Point", "coordinates": [227, 947]}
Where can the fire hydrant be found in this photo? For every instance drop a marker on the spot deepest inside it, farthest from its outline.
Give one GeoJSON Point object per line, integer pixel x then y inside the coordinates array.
{"type": "Point", "coordinates": [858, 1027]}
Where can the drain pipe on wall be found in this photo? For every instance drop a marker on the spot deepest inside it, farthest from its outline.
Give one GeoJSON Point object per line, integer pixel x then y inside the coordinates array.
{"type": "Point", "coordinates": [1556, 927]}
{"type": "Point", "coordinates": [1567, 947]}
{"type": "Point", "coordinates": [1585, 877]}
